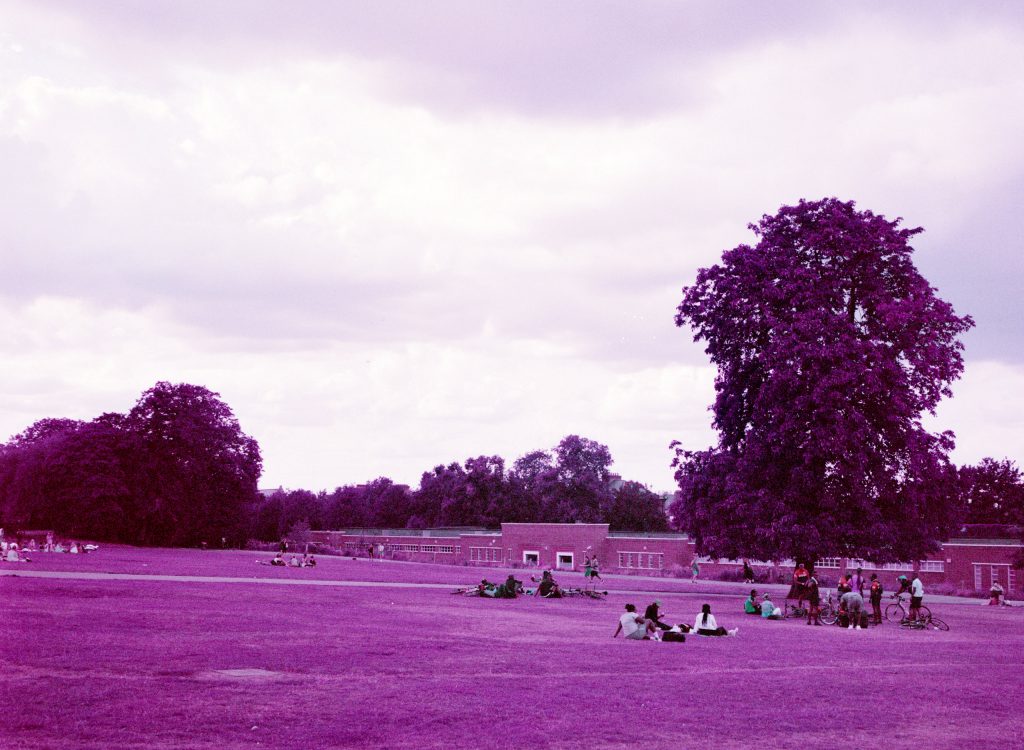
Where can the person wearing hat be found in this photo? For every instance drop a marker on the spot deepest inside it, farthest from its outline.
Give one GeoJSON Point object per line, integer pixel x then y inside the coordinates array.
{"type": "Point", "coordinates": [768, 609]}
{"type": "Point", "coordinates": [654, 614]}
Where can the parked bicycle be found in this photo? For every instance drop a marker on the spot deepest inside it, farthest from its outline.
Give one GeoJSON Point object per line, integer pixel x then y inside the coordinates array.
{"type": "Point", "coordinates": [793, 611]}
{"type": "Point", "coordinates": [896, 612]}
{"type": "Point", "coordinates": [929, 622]}
{"type": "Point", "coordinates": [829, 611]}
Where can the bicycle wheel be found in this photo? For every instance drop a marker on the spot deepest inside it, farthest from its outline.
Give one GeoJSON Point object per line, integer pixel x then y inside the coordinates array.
{"type": "Point", "coordinates": [924, 613]}
{"type": "Point", "coordinates": [936, 624]}
{"type": "Point", "coordinates": [895, 613]}
{"type": "Point", "coordinates": [829, 615]}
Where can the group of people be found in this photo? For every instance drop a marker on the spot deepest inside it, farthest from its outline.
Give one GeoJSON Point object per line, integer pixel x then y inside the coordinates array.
{"type": "Point", "coordinates": [547, 587]}
{"type": "Point", "coordinates": [11, 550]}
{"type": "Point", "coordinates": [850, 591]}
{"type": "Point", "coordinates": [651, 626]}
{"type": "Point", "coordinates": [293, 561]}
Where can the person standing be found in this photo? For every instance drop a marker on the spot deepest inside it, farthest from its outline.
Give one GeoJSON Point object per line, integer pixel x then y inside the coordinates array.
{"type": "Point", "coordinates": [694, 570]}
{"type": "Point", "coordinates": [857, 582]}
{"type": "Point", "coordinates": [813, 602]}
{"type": "Point", "coordinates": [916, 597]}
{"type": "Point", "coordinates": [876, 591]}
{"type": "Point", "coordinates": [748, 572]}
{"type": "Point", "coordinates": [798, 589]}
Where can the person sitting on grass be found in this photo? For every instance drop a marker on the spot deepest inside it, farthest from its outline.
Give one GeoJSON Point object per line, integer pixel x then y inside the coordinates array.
{"type": "Point", "coordinates": [548, 588]}
{"type": "Point", "coordinates": [996, 594]}
{"type": "Point", "coordinates": [654, 614]}
{"type": "Point", "coordinates": [768, 609]}
{"type": "Point", "coordinates": [635, 627]}
{"type": "Point", "coordinates": [308, 561]}
{"type": "Point", "coordinates": [751, 606]}
{"type": "Point", "coordinates": [278, 561]}
{"type": "Point", "coordinates": [853, 604]}
{"type": "Point", "coordinates": [706, 624]}
{"type": "Point", "coordinates": [509, 588]}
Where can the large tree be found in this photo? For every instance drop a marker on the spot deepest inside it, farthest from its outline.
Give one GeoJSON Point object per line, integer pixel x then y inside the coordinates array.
{"type": "Point", "coordinates": [830, 346]}
{"type": "Point", "coordinates": [993, 492]}
{"type": "Point", "coordinates": [200, 469]}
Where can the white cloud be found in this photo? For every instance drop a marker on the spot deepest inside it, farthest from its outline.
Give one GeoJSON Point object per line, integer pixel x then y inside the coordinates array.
{"type": "Point", "coordinates": [377, 285]}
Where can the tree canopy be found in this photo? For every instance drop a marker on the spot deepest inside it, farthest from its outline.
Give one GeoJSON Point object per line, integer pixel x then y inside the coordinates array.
{"type": "Point", "coordinates": [177, 469]}
{"type": "Point", "coordinates": [830, 345]}
{"type": "Point", "coordinates": [993, 492]}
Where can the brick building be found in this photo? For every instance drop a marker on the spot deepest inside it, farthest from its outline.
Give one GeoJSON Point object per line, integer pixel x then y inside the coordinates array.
{"type": "Point", "coordinates": [965, 563]}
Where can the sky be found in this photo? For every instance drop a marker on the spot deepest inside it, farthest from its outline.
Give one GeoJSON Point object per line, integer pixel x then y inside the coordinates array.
{"type": "Point", "coordinates": [397, 235]}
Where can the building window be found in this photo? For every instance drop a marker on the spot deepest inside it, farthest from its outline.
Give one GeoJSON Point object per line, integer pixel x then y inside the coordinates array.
{"type": "Point", "coordinates": [404, 547]}
{"type": "Point", "coordinates": [485, 554]}
{"type": "Point", "coordinates": [531, 557]}
{"type": "Point", "coordinates": [1012, 581]}
{"type": "Point", "coordinates": [828, 562]}
{"type": "Point", "coordinates": [641, 560]}
{"type": "Point", "coordinates": [564, 561]}
{"type": "Point", "coordinates": [933, 566]}
{"type": "Point", "coordinates": [441, 548]}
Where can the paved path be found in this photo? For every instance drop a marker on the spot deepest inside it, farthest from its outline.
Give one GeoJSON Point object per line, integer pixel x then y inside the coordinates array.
{"type": "Point", "coordinates": [741, 589]}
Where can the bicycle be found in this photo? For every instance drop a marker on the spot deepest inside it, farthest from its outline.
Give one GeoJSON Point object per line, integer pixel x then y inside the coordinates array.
{"type": "Point", "coordinates": [926, 623]}
{"type": "Point", "coordinates": [898, 613]}
{"type": "Point", "coordinates": [793, 611]}
{"type": "Point", "coordinates": [828, 612]}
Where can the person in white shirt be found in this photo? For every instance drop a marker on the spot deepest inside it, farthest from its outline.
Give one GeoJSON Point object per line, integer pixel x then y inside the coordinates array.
{"type": "Point", "coordinates": [706, 624]}
{"type": "Point", "coordinates": [633, 626]}
{"type": "Point", "coordinates": [916, 597]}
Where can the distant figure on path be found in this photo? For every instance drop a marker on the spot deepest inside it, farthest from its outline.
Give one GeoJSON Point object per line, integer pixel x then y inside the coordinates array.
{"type": "Point", "coordinates": [706, 624]}
{"type": "Point", "coordinates": [284, 546]}
{"type": "Point", "coordinates": [694, 570]}
{"type": "Point", "coordinates": [748, 572]}
{"type": "Point", "coordinates": [996, 594]}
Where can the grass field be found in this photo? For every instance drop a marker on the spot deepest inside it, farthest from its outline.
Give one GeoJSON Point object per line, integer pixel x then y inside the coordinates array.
{"type": "Point", "coordinates": [202, 663]}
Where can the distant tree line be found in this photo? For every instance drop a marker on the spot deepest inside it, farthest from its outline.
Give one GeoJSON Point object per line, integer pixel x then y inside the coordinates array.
{"type": "Point", "coordinates": [178, 470]}
{"type": "Point", "coordinates": [570, 483]}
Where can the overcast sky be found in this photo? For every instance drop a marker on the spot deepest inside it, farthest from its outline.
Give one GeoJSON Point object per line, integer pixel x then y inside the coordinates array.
{"type": "Point", "coordinates": [393, 235]}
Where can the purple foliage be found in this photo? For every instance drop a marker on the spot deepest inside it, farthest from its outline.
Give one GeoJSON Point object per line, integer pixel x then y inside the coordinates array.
{"type": "Point", "coordinates": [829, 346]}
